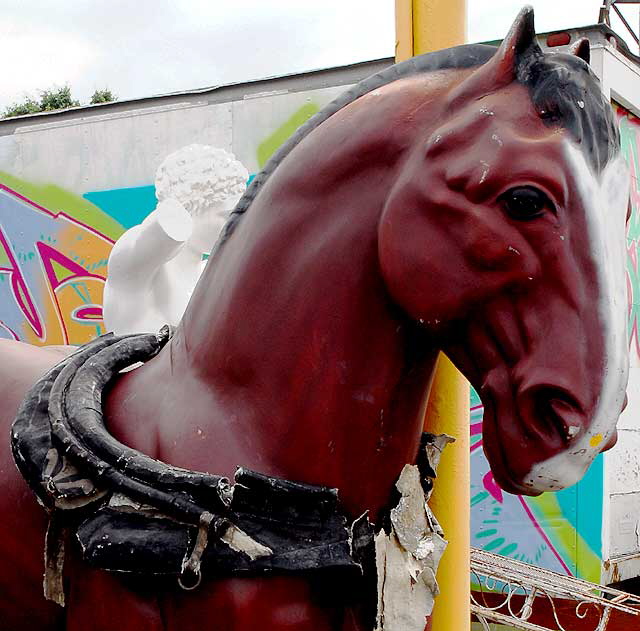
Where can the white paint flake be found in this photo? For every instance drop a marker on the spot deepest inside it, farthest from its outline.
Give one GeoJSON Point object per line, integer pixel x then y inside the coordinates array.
{"type": "Point", "coordinates": [407, 558]}
{"type": "Point", "coordinates": [240, 541]}
{"type": "Point", "coordinates": [485, 170]}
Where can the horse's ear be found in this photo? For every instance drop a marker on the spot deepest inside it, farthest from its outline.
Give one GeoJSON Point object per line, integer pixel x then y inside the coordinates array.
{"type": "Point", "coordinates": [501, 69]}
{"type": "Point", "coordinates": [520, 38]}
{"type": "Point", "coordinates": [581, 49]}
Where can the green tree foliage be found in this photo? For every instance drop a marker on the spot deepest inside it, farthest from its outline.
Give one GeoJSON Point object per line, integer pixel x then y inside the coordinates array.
{"type": "Point", "coordinates": [102, 96]}
{"type": "Point", "coordinates": [54, 99]}
{"type": "Point", "coordinates": [57, 99]}
{"type": "Point", "coordinates": [28, 106]}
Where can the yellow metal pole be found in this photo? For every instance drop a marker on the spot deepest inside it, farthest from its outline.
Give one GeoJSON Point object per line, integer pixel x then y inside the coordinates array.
{"type": "Point", "coordinates": [448, 413]}
{"type": "Point", "coordinates": [404, 29]}
{"type": "Point", "coordinates": [423, 26]}
{"type": "Point", "coordinates": [438, 24]}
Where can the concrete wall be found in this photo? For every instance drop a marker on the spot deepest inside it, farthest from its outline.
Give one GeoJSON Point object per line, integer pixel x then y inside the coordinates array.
{"type": "Point", "coordinates": [621, 525]}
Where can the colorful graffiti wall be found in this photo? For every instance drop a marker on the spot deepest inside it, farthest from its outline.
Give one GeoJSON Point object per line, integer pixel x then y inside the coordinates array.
{"type": "Point", "coordinates": [623, 463]}
{"type": "Point", "coordinates": [630, 139]}
{"type": "Point", "coordinates": [54, 246]}
{"type": "Point", "coordinates": [58, 221]}
{"type": "Point", "coordinates": [561, 531]}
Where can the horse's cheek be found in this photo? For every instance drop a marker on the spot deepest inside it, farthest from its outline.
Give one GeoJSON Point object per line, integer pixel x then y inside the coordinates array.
{"type": "Point", "coordinates": [410, 262]}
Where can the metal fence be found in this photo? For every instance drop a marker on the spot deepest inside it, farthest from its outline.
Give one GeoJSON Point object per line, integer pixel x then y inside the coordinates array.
{"type": "Point", "coordinates": [523, 596]}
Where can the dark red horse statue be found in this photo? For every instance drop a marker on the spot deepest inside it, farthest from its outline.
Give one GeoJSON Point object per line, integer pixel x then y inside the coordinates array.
{"type": "Point", "coordinates": [472, 201]}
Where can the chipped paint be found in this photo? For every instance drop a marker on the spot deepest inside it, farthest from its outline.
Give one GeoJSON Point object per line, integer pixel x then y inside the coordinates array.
{"type": "Point", "coordinates": [605, 200]}
{"type": "Point", "coordinates": [407, 557]}
{"type": "Point", "coordinates": [595, 440]}
{"type": "Point", "coordinates": [240, 541]}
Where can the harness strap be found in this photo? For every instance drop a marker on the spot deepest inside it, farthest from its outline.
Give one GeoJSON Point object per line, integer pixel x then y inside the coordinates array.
{"type": "Point", "coordinates": [191, 564]}
{"type": "Point", "coordinates": [55, 542]}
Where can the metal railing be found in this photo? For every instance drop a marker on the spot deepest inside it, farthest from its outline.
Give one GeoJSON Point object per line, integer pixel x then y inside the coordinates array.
{"type": "Point", "coordinates": [605, 16]}
{"type": "Point", "coordinates": [524, 596]}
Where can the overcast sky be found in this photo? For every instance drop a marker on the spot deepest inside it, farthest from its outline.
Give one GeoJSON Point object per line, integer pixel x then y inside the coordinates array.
{"type": "Point", "coordinates": [145, 47]}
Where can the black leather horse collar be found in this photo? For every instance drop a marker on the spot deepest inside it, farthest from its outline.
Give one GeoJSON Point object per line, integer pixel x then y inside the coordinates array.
{"type": "Point", "coordinates": [131, 513]}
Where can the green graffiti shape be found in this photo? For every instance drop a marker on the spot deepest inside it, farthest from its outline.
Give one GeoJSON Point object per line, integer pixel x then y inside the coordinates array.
{"type": "Point", "coordinates": [582, 560]}
{"type": "Point", "coordinates": [270, 144]}
{"type": "Point", "coordinates": [56, 199]}
{"type": "Point", "coordinates": [629, 137]}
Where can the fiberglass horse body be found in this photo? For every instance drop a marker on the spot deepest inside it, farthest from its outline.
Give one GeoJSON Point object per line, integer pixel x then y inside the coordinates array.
{"type": "Point", "coordinates": [468, 200]}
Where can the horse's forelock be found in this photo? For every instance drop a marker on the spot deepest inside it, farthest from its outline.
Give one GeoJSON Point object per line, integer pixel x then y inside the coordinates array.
{"type": "Point", "coordinates": [566, 93]}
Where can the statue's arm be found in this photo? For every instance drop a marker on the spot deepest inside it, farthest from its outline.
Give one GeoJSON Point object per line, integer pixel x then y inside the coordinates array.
{"type": "Point", "coordinates": [143, 249]}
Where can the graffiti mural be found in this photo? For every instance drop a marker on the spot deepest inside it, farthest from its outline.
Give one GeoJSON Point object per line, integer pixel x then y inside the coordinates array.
{"type": "Point", "coordinates": [53, 264]}
{"type": "Point", "coordinates": [630, 139]}
{"type": "Point", "coordinates": [272, 142]}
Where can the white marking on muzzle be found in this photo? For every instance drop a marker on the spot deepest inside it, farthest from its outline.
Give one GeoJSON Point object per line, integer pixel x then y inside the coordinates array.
{"type": "Point", "coordinates": [604, 200]}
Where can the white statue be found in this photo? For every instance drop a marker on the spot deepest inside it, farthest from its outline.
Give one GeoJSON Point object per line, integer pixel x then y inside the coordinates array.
{"type": "Point", "coordinates": [154, 266]}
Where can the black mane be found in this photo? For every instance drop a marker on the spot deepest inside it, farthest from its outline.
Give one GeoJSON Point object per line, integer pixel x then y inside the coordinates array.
{"type": "Point", "coordinates": [563, 89]}
{"type": "Point", "coordinates": [466, 56]}
{"type": "Point", "coordinates": [566, 93]}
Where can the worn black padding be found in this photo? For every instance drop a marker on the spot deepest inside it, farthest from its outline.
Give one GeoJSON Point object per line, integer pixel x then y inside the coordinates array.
{"type": "Point", "coordinates": [78, 469]}
{"type": "Point", "coordinates": [303, 526]}
{"type": "Point", "coordinates": [47, 471]}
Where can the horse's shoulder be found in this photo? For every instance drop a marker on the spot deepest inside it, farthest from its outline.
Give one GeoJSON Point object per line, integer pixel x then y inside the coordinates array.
{"type": "Point", "coordinates": [21, 365]}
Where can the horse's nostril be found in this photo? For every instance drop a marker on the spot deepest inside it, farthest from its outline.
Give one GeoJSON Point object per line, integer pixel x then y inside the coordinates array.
{"type": "Point", "coordinates": [568, 420]}
{"type": "Point", "coordinates": [552, 414]}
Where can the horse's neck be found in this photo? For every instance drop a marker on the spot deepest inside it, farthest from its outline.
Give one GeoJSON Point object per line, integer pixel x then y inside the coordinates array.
{"type": "Point", "coordinates": [291, 358]}
{"type": "Point", "coordinates": [304, 257]}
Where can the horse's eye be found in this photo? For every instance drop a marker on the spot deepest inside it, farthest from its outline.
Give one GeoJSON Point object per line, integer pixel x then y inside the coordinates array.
{"type": "Point", "coordinates": [525, 202]}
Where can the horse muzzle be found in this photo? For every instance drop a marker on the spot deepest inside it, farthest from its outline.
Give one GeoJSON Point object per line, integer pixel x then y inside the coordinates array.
{"type": "Point", "coordinates": [551, 416]}
{"type": "Point", "coordinates": [538, 423]}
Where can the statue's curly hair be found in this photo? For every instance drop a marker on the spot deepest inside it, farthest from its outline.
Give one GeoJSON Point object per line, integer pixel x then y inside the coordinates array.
{"type": "Point", "coordinates": [199, 176]}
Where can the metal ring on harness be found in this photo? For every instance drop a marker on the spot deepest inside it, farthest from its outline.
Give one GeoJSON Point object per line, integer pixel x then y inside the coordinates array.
{"type": "Point", "coordinates": [191, 563]}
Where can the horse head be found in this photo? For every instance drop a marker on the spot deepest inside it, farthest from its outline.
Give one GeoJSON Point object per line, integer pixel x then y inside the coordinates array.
{"type": "Point", "coordinates": [520, 189]}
